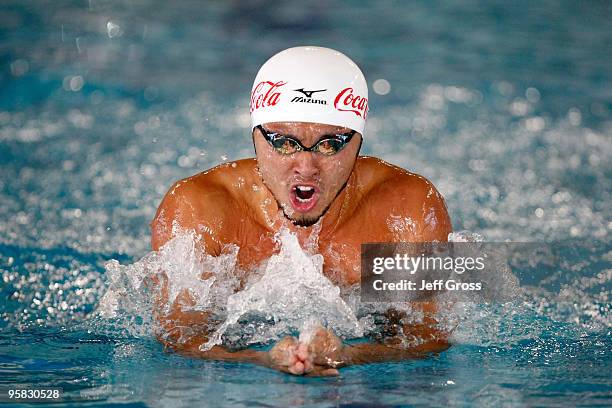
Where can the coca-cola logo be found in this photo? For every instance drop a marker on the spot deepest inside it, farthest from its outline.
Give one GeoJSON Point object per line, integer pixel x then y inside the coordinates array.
{"type": "Point", "coordinates": [347, 101]}
{"type": "Point", "coordinates": [265, 93]}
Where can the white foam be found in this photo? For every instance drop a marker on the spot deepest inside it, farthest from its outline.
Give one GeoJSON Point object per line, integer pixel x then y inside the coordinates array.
{"type": "Point", "coordinates": [292, 290]}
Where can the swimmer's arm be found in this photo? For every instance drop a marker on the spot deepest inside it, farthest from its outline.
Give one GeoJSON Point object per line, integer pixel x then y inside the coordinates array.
{"type": "Point", "coordinates": [427, 337]}
{"type": "Point", "coordinates": [190, 206]}
{"type": "Point", "coordinates": [433, 219]}
{"type": "Point", "coordinates": [218, 353]}
{"type": "Point", "coordinates": [430, 338]}
{"type": "Point", "coordinates": [184, 331]}
{"type": "Point", "coordinates": [326, 349]}
{"type": "Point", "coordinates": [282, 357]}
{"type": "Point", "coordinates": [380, 353]}
{"type": "Point", "coordinates": [434, 225]}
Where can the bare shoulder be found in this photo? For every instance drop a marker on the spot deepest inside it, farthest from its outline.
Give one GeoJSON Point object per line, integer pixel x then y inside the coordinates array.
{"type": "Point", "coordinates": [395, 183]}
{"type": "Point", "coordinates": [397, 192]}
{"type": "Point", "coordinates": [200, 203]}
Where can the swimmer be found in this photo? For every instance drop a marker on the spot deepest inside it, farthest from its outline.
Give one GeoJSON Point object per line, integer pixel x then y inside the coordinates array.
{"type": "Point", "coordinates": [308, 111]}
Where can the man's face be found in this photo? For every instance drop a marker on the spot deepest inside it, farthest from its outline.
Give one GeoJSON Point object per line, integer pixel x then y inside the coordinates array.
{"type": "Point", "coordinates": [305, 183]}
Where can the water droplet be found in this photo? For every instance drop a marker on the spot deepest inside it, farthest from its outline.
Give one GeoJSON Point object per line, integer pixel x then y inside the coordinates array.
{"type": "Point", "coordinates": [113, 29]}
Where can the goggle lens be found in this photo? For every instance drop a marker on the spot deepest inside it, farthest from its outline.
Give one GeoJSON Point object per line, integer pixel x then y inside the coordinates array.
{"type": "Point", "coordinates": [285, 145]}
{"type": "Point", "coordinates": [288, 145]}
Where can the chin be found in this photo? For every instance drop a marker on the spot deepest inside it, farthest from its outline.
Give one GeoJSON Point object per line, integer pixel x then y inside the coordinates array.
{"type": "Point", "coordinates": [305, 221]}
{"type": "Point", "coordinates": [301, 219]}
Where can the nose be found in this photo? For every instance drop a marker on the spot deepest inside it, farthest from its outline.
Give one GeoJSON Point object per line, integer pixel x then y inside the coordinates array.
{"type": "Point", "coordinates": [306, 165]}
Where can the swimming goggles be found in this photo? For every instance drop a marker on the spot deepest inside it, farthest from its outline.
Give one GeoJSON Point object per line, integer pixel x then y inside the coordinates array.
{"type": "Point", "coordinates": [327, 145]}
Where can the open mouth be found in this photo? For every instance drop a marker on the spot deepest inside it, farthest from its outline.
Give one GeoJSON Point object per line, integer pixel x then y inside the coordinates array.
{"type": "Point", "coordinates": [304, 193]}
{"type": "Point", "coordinates": [304, 197]}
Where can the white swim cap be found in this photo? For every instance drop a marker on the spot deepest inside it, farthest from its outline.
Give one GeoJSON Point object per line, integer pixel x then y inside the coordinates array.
{"type": "Point", "coordinates": [310, 84]}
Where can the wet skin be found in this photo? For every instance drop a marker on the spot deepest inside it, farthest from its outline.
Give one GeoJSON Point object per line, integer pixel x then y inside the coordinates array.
{"type": "Point", "coordinates": [355, 200]}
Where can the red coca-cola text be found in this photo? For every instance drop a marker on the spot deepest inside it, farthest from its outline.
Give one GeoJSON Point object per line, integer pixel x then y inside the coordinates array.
{"type": "Point", "coordinates": [266, 93]}
{"type": "Point", "coordinates": [347, 101]}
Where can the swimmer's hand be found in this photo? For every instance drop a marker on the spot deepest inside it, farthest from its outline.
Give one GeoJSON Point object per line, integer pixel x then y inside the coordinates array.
{"type": "Point", "coordinates": [294, 357]}
{"type": "Point", "coordinates": [326, 349]}
{"type": "Point", "coordinates": [290, 356]}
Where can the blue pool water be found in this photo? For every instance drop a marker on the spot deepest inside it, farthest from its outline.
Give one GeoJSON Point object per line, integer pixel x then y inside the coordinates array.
{"type": "Point", "coordinates": [505, 106]}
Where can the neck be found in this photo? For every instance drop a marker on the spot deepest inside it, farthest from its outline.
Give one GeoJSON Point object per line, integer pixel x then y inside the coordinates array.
{"type": "Point", "coordinates": [337, 211]}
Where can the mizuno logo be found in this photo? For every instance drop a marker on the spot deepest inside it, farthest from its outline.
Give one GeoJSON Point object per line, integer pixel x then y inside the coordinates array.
{"type": "Point", "coordinates": [308, 94]}
{"type": "Point", "coordinates": [307, 100]}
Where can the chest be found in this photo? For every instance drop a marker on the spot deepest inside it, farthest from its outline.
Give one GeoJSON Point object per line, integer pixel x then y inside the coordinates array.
{"type": "Point", "coordinates": [341, 254]}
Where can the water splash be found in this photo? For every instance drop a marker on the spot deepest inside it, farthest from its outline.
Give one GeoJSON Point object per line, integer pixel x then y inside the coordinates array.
{"type": "Point", "coordinates": [180, 267]}
{"type": "Point", "coordinates": [289, 294]}
{"type": "Point", "coordinates": [291, 290]}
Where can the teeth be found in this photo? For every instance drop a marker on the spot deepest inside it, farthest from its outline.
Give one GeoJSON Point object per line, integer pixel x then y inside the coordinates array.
{"type": "Point", "coordinates": [304, 190]}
